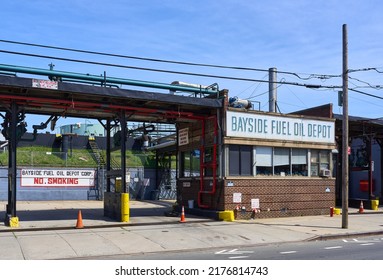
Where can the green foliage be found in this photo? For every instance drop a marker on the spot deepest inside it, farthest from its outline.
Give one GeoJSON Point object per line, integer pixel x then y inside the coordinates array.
{"type": "Point", "coordinates": [134, 158]}
{"type": "Point", "coordinates": [45, 156]}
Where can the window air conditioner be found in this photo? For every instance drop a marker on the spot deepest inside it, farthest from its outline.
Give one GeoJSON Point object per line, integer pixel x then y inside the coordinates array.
{"type": "Point", "coordinates": [325, 173]}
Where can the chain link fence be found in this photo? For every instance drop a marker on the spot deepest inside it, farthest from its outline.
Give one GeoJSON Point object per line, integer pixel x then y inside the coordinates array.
{"type": "Point", "coordinates": [140, 186]}
{"type": "Point", "coordinates": [78, 159]}
{"type": "Point", "coordinates": [50, 159]}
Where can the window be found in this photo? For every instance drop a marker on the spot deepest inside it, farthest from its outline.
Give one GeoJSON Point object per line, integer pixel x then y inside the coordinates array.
{"type": "Point", "coordinates": [281, 161]}
{"type": "Point", "coordinates": [269, 161]}
{"type": "Point", "coordinates": [314, 163]}
{"type": "Point", "coordinates": [190, 163]}
{"type": "Point", "coordinates": [324, 160]}
{"type": "Point", "coordinates": [320, 160]}
{"type": "Point", "coordinates": [240, 160]}
{"type": "Point", "coordinates": [299, 162]}
{"type": "Point", "coordinates": [263, 160]}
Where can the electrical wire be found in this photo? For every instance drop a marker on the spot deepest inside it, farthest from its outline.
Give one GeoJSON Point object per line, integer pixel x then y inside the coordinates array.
{"type": "Point", "coordinates": [368, 84]}
{"type": "Point", "coordinates": [251, 97]}
{"type": "Point", "coordinates": [298, 75]}
{"type": "Point", "coordinates": [365, 69]}
{"type": "Point", "coordinates": [312, 86]}
{"type": "Point", "coordinates": [296, 96]}
{"type": "Point", "coordinates": [254, 90]}
{"type": "Point", "coordinates": [365, 93]}
{"type": "Point", "coordinates": [365, 101]}
{"type": "Point", "coordinates": [198, 64]}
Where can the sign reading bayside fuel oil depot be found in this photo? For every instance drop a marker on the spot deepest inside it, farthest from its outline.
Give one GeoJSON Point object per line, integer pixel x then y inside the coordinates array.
{"type": "Point", "coordinates": [271, 127]}
{"type": "Point", "coordinates": [57, 178]}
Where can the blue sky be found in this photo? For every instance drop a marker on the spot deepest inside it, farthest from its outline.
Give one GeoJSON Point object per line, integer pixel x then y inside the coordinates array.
{"type": "Point", "coordinates": [303, 37]}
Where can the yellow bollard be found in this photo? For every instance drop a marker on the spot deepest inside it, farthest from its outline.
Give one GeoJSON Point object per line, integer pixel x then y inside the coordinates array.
{"type": "Point", "coordinates": [14, 222]}
{"type": "Point", "coordinates": [227, 216]}
{"type": "Point", "coordinates": [124, 207]}
{"type": "Point", "coordinates": [375, 204]}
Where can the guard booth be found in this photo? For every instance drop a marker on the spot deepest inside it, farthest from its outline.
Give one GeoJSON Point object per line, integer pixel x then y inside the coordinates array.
{"type": "Point", "coordinates": [256, 164]}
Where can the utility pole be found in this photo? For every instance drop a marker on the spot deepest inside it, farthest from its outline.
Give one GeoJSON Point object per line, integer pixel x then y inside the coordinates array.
{"type": "Point", "coordinates": [345, 131]}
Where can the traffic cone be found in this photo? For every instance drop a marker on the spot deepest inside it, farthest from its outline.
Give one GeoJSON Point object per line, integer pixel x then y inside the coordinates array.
{"type": "Point", "coordinates": [79, 223]}
{"type": "Point", "coordinates": [182, 215]}
{"type": "Point", "coordinates": [361, 209]}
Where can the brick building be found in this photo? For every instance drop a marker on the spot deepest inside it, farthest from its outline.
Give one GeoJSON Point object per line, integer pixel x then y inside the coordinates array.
{"type": "Point", "coordinates": [259, 164]}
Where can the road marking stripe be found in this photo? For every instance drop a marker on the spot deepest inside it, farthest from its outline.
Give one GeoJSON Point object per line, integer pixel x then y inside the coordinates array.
{"type": "Point", "coordinates": [238, 257]}
{"type": "Point", "coordinates": [220, 252]}
{"type": "Point", "coordinates": [288, 252]}
{"type": "Point", "coordinates": [366, 244]}
{"type": "Point", "coordinates": [335, 247]}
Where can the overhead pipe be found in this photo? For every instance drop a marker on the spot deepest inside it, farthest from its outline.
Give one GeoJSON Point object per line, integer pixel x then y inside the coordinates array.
{"type": "Point", "coordinates": [39, 127]}
{"type": "Point", "coordinates": [103, 79]}
{"type": "Point", "coordinates": [144, 128]}
{"type": "Point", "coordinates": [162, 145]}
{"type": "Point", "coordinates": [196, 86]}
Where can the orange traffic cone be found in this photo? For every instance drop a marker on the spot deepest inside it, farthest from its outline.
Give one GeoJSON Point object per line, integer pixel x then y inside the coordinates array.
{"type": "Point", "coordinates": [182, 215]}
{"type": "Point", "coordinates": [79, 220]}
{"type": "Point", "coordinates": [361, 209]}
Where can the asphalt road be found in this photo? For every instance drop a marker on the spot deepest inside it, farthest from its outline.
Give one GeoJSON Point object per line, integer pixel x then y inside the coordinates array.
{"type": "Point", "coordinates": [363, 248]}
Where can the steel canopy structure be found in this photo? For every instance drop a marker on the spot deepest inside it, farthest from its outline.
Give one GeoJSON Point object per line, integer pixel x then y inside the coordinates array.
{"type": "Point", "coordinates": [77, 100]}
{"type": "Point", "coordinates": [56, 98]}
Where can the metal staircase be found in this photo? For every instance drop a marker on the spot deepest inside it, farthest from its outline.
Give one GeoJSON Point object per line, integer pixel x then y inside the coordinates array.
{"type": "Point", "coordinates": [96, 152]}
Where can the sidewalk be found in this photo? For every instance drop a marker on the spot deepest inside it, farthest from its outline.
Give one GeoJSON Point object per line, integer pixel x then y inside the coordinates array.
{"type": "Point", "coordinates": [47, 230]}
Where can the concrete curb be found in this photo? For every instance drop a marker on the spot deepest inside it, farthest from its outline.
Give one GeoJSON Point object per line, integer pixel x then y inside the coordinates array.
{"type": "Point", "coordinates": [346, 235]}
{"type": "Point", "coordinates": [100, 226]}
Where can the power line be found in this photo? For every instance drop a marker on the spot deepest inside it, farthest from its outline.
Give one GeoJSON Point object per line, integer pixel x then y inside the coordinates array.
{"type": "Point", "coordinates": [298, 75]}
{"type": "Point", "coordinates": [251, 97]}
{"type": "Point", "coordinates": [365, 101]}
{"type": "Point", "coordinates": [365, 93]}
{"type": "Point", "coordinates": [199, 74]}
{"type": "Point", "coordinates": [311, 86]}
{"type": "Point", "coordinates": [258, 85]}
{"type": "Point", "coordinates": [296, 96]}
{"type": "Point", "coordinates": [366, 69]}
{"type": "Point", "coordinates": [368, 84]}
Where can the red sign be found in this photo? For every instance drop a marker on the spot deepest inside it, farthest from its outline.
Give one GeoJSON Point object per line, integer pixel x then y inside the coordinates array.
{"type": "Point", "coordinates": [44, 84]}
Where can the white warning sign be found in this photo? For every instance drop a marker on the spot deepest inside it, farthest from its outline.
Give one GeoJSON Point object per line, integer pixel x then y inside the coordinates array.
{"type": "Point", "coordinates": [57, 178]}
